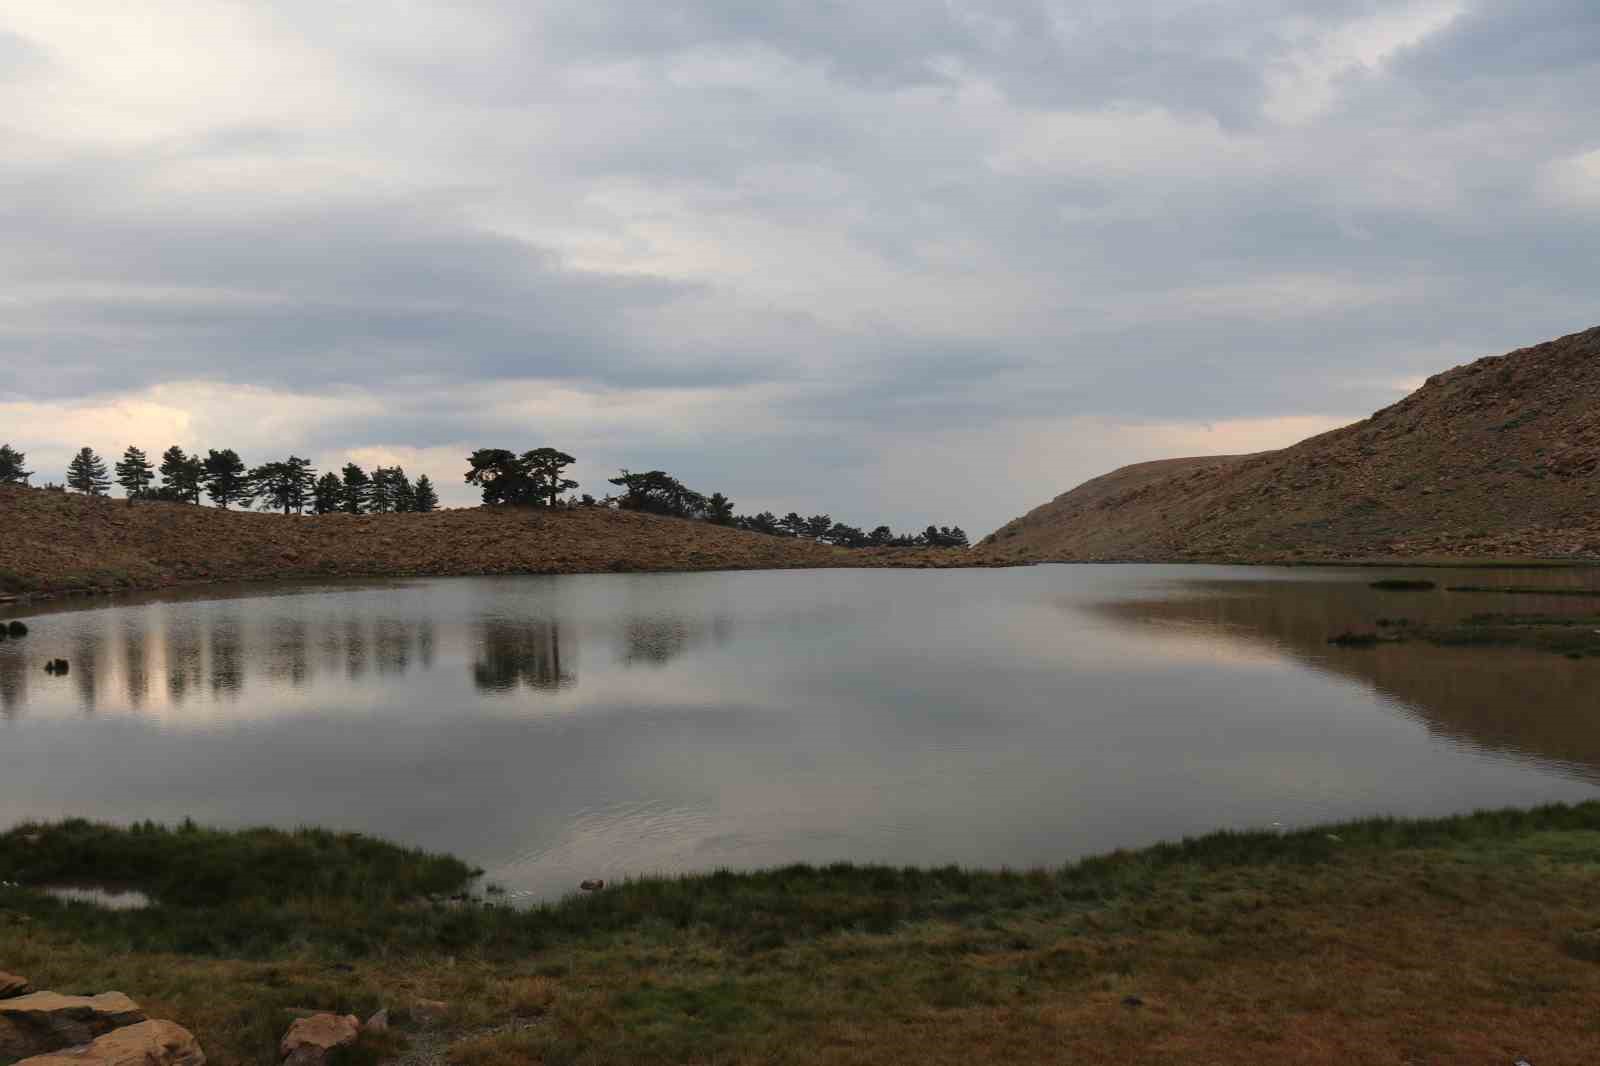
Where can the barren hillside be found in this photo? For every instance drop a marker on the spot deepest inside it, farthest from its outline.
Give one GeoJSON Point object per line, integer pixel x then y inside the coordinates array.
{"type": "Point", "coordinates": [1496, 459]}
{"type": "Point", "coordinates": [54, 541]}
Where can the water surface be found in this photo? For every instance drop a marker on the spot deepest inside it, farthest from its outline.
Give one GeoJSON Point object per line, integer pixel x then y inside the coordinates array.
{"type": "Point", "coordinates": [558, 728]}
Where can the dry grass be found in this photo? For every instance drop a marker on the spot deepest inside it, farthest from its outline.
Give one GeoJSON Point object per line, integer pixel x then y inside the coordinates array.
{"type": "Point", "coordinates": [1462, 942]}
{"type": "Point", "coordinates": [58, 542]}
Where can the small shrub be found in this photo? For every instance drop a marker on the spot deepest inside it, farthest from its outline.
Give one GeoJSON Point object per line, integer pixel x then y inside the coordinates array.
{"type": "Point", "coordinates": [16, 630]}
{"type": "Point", "coordinates": [1403, 584]}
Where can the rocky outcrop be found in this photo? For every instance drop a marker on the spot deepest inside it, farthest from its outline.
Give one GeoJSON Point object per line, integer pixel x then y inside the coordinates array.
{"type": "Point", "coordinates": [11, 985]}
{"type": "Point", "coordinates": [309, 1040]}
{"type": "Point", "coordinates": [47, 1021]}
{"type": "Point", "coordinates": [154, 1043]}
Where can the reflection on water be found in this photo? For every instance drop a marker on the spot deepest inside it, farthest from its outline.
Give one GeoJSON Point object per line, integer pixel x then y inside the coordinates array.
{"type": "Point", "coordinates": [1515, 701]}
{"type": "Point", "coordinates": [524, 654]}
{"type": "Point", "coordinates": [553, 729]}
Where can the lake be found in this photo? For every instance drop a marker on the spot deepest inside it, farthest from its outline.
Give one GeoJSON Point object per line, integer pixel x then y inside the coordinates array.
{"type": "Point", "coordinates": [552, 729]}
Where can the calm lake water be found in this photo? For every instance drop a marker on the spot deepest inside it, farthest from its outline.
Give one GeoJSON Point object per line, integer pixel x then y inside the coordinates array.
{"type": "Point", "coordinates": [556, 728]}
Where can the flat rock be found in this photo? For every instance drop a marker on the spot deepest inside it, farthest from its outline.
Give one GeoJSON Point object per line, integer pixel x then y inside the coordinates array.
{"type": "Point", "coordinates": [12, 985]}
{"type": "Point", "coordinates": [153, 1043]}
{"type": "Point", "coordinates": [47, 1021]}
{"type": "Point", "coordinates": [309, 1040]}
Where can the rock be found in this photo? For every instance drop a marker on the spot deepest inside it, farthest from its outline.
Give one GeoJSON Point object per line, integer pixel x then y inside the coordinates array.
{"type": "Point", "coordinates": [12, 985]}
{"type": "Point", "coordinates": [309, 1040]}
{"type": "Point", "coordinates": [378, 1023]}
{"type": "Point", "coordinates": [593, 885]}
{"type": "Point", "coordinates": [144, 1044]}
{"type": "Point", "coordinates": [46, 1021]}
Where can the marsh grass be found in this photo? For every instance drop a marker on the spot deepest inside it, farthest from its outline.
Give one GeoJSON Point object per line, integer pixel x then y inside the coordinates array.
{"type": "Point", "coordinates": [1445, 940]}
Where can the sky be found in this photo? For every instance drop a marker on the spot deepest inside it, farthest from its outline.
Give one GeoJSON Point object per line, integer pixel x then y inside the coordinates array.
{"type": "Point", "coordinates": [900, 262]}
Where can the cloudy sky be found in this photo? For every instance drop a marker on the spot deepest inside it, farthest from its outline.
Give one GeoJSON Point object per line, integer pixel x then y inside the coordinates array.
{"type": "Point", "coordinates": [903, 261]}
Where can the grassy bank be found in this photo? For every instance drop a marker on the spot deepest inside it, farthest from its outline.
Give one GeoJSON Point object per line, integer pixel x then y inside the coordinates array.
{"type": "Point", "coordinates": [1470, 939]}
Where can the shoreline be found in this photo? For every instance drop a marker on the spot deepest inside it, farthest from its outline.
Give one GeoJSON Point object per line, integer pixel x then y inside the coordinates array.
{"type": "Point", "coordinates": [43, 596]}
{"type": "Point", "coordinates": [1475, 936]}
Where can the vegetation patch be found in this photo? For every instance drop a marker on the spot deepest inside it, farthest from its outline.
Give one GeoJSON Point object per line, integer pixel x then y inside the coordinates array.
{"type": "Point", "coordinates": [1404, 584]}
{"type": "Point", "coordinates": [1466, 934]}
{"type": "Point", "coordinates": [1306, 945]}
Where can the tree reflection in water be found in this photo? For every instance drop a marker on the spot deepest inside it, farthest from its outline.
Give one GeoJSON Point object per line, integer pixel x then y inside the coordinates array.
{"type": "Point", "coordinates": [514, 655]}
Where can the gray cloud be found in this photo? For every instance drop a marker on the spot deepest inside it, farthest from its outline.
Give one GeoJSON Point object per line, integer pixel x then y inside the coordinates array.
{"type": "Point", "coordinates": [845, 232]}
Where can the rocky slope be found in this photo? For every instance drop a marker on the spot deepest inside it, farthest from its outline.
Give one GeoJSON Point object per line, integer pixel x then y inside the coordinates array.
{"type": "Point", "coordinates": [55, 541]}
{"type": "Point", "coordinates": [1498, 459]}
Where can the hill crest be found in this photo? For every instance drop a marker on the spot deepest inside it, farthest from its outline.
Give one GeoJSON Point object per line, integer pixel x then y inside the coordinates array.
{"type": "Point", "coordinates": [1499, 458]}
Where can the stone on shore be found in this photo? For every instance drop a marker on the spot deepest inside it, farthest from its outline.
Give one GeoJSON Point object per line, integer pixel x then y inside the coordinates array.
{"type": "Point", "coordinates": [47, 1021]}
{"type": "Point", "coordinates": [153, 1043]}
{"type": "Point", "coordinates": [309, 1040]}
{"type": "Point", "coordinates": [12, 985]}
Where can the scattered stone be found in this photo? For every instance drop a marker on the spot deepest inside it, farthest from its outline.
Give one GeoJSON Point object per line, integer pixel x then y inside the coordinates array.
{"type": "Point", "coordinates": [1132, 1001]}
{"type": "Point", "coordinates": [309, 1040]}
{"type": "Point", "coordinates": [378, 1023]}
{"type": "Point", "coordinates": [46, 1021]}
{"type": "Point", "coordinates": [153, 1043]}
{"type": "Point", "coordinates": [592, 885]}
{"type": "Point", "coordinates": [12, 985]}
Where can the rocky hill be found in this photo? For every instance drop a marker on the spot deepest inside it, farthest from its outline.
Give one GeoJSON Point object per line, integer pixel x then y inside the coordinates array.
{"type": "Point", "coordinates": [55, 541]}
{"type": "Point", "coordinates": [1498, 459]}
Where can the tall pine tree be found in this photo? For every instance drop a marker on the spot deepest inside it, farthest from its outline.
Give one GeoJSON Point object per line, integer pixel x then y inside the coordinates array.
{"type": "Point", "coordinates": [87, 473]}
{"type": "Point", "coordinates": [181, 475]}
{"type": "Point", "coordinates": [328, 494]}
{"type": "Point", "coordinates": [427, 499]}
{"type": "Point", "coordinates": [226, 480]}
{"type": "Point", "coordinates": [134, 473]}
{"type": "Point", "coordinates": [357, 489]}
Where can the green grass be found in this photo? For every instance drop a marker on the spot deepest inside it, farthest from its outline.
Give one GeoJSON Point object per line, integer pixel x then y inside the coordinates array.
{"type": "Point", "coordinates": [1245, 946]}
{"type": "Point", "coordinates": [266, 893]}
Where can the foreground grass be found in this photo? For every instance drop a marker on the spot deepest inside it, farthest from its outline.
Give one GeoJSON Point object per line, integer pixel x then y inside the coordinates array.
{"type": "Point", "coordinates": [1463, 940]}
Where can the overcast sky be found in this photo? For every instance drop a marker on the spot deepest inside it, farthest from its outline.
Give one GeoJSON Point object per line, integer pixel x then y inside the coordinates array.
{"type": "Point", "coordinates": [898, 261]}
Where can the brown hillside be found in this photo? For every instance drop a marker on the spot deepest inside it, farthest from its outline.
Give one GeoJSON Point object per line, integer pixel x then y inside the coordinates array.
{"type": "Point", "coordinates": [1496, 459]}
{"type": "Point", "coordinates": [55, 541]}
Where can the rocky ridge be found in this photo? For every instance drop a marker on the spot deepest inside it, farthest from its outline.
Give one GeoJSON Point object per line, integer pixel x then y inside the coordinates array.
{"type": "Point", "coordinates": [1497, 459]}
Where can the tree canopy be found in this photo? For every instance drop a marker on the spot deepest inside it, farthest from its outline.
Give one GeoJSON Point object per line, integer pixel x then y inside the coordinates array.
{"type": "Point", "coordinates": [534, 477]}
{"type": "Point", "coordinates": [134, 473]}
{"type": "Point", "coordinates": [11, 462]}
{"type": "Point", "coordinates": [87, 473]}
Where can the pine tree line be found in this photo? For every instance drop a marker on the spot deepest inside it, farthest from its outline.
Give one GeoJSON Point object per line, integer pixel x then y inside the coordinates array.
{"type": "Point", "coordinates": [289, 485]}
{"type": "Point", "coordinates": [531, 478]}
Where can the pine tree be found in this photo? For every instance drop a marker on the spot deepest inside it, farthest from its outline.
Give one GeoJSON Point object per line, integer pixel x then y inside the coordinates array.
{"type": "Point", "coordinates": [427, 499]}
{"type": "Point", "coordinates": [405, 493]}
{"type": "Point", "coordinates": [286, 485]}
{"type": "Point", "coordinates": [225, 479]}
{"type": "Point", "coordinates": [357, 489]}
{"type": "Point", "coordinates": [381, 494]}
{"type": "Point", "coordinates": [327, 496]}
{"type": "Point", "coordinates": [719, 510]}
{"type": "Point", "coordinates": [181, 475]}
{"type": "Point", "coordinates": [11, 472]}
{"type": "Point", "coordinates": [545, 467]}
{"type": "Point", "coordinates": [134, 473]}
{"type": "Point", "coordinates": [87, 473]}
